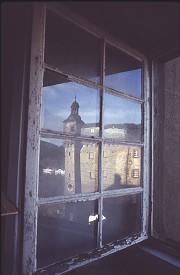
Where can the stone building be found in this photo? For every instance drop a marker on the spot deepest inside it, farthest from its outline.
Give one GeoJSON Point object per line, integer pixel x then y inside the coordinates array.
{"type": "Point", "coordinates": [121, 163]}
{"type": "Point", "coordinates": [73, 167]}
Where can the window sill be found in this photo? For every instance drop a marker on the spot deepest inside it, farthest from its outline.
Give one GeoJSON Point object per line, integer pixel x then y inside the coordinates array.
{"type": "Point", "coordinates": [161, 250]}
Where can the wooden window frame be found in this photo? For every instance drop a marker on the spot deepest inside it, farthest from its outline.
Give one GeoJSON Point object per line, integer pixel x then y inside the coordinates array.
{"type": "Point", "coordinates": [33, 142]}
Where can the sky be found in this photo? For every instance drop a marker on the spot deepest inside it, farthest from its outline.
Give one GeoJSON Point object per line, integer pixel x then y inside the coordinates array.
{"type": "Point", "coordinates": [129, 81]}
{"type": "Point", "coordinates": [57, 100]}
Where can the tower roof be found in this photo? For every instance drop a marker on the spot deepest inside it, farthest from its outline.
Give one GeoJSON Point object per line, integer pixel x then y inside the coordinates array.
{"type": "Point", "coordinates": [75, 106]}
{"type": "Point", "coordinates": [74, 116]}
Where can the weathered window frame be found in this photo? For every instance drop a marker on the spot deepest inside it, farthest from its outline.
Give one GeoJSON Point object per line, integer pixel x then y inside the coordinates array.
{"type": "Point", "coordinates": [33, 142]}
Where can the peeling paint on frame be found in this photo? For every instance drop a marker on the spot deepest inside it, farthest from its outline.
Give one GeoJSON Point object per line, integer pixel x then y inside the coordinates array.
{"type": "Point", "coordinates": [89, 257]}
{"type": "Point", "coordinates": [32, 151]}
{"type": "Point", "coordinates": [33, 143]}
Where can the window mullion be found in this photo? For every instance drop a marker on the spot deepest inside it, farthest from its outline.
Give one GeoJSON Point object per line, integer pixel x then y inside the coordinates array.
{"type": "Point", "coordinates": [101, 113]}
{"type": "Point", "coordinates": [100, 203]}
{"type": "Point", "coordinates": [100, 210]}
{"type": "Point", "coordinates": [122, 192]}
{"type": "Point", "coordinates": [146, 150]}
{"type": "Point", "coordinates": [89, 83]}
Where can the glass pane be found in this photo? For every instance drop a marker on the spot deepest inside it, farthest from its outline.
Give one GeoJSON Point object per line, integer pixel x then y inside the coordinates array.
{"type": "Point", "coordinates": [123, 72]}
{"type": "Point", "coordinates": [122, 217]}
{"type": "Point", "coordinates": [67, 167]}
{"type": "Point", "coordinates": [65, 230]}
{"type": "Point", "coordinates": [51, 167]}
{"type": "Point", "coordinates": [72, 49]}
{"type": "Point", "coordinates": [122, 118]}
{"type": "Point", "coordinates": [69, 107]}
{"type": "Point", "coordinates": [121, 166]}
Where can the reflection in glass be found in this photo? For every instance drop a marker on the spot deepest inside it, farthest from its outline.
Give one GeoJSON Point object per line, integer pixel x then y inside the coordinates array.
{"type": "Point", "coordinates": [123, 72]}
{"type": "Point", "coordinates": [71, 49]}
{"type": "Point", "coordinates": [121, 166]}
{"type": "Point", "coordinates": [67, 167]}
{"type": "Point", "coordinates": [122, 217]}
{"type": "Point", "coordinates": [69, 106]}
{"type": "Point", "coordinates": [64, 230]}
{"type": "Point", "coordinates": [122, 118]}
{"type": "Point", "coordinates": [51, 167]}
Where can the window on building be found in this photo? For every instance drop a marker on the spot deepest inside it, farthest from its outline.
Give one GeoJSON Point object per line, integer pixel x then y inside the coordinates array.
{"type": "Point", "coordinates": [104, 154]}
{"type": "Point", "coordinates": [72, 128]}
{"type": "Point", "coordinates": [84, 77]}
{"type": "Point", "coordinates": [104, 174]}
{"type": "Point", "coordinates": [135, 154]}
{"type": "Point", "coordinates": [92, 175]}
{"type": "Point", "coordinates": [91, 155]}
{"type": "Point", "coordinates": [136, 173]}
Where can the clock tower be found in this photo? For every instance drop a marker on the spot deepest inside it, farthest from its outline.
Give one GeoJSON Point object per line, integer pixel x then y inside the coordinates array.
{"type": "Point", "coordinates": [74, 122]}
{"type": "Point", "coordinates": [73, 125]}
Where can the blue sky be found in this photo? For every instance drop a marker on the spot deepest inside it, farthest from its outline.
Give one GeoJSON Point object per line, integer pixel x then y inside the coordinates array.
{"type": "Point", "coordinates": [129, 82]}
{"type": "Point", "coordinates": [57, 100]}
{"type": "Point", "coordinates": [120, 110]}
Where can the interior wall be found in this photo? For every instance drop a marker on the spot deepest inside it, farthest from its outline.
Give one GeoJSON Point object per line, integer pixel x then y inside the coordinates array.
{"type": "Point", "coordinates": [166, 193]}
{"type": "Point", "coordinates": [171, 152]}
{"type": "Point", "coordinates": [16, 40]}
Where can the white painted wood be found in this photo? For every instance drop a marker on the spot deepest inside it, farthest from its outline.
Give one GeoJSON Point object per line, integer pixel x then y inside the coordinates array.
{"type": "Point", "coordinates": [89, 257]}
{"type": "Point", "coordinates": [146, 162]}
{"type": "Point", "coordinates": [91, 84]}
{"type": "Point", "coordinates": [90, 196]}
{"type": "Point", "coordinates": [32, 152]}
{"type": "Point", "coordinates": [33, 141]}
{"type": "Point", "coordinates": [152, 147]}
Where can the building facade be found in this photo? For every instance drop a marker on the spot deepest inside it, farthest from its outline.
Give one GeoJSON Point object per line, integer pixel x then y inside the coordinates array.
{"type": "Point", "coordinates": [79, 159]}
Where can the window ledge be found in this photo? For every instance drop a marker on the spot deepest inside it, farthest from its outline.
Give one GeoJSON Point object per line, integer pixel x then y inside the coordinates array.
{"type": "Point", "coordinates": [160, 253]}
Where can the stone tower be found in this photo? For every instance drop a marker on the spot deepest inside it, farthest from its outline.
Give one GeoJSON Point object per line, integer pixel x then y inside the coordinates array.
{"type": "Point", "coordinates": [73, 125]}
{"type": "Point", "coordinates": [74, 122]}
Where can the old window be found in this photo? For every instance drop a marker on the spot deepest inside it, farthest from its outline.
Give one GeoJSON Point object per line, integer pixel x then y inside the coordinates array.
{"type": "Point", "coordinates": [136, 173]}
{"type": "Point", "coordinates": [92, 175]}
{"type": "Point", "coordinates": [91, 155]}
{"type": "Point", "coordinates": [104, 174]}
{"type": "Point", "coordinates": [135, 154]}
{"type": "Point", "coordinates": [72, 128]}
{"type": "Point", "coordinates": [104, 154]}
{"type": "Point", "coordinates": [82, 78]}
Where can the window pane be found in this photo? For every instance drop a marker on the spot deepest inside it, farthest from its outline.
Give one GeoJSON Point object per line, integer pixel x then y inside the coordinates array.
{"type": "Point", "coordinates": [69, 107]}
{"type": "Point", "coordinates": [65, 230]}
{"type": "Point", "coordinates": [71, 49]}
{"type": "Point", "coordinates": [122, 118]}
{"type": "Point", "coordinates": [123, 72]}
{"type": "Point", "coordinates": [121, 168]}
{"type": "Point", "coordinates": [67, 167]}
{"type": "Point", "coordinates": [122, 217]}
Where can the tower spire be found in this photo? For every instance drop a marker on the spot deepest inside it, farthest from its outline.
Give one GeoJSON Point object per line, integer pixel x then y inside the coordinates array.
{"type": "Point", "coordinates": [75, 107]}
{"type": "Point", "coordinates": [74, 122]}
